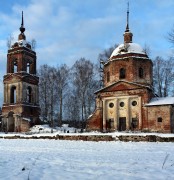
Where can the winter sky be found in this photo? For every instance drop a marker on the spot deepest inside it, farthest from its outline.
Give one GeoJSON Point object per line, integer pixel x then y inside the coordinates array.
{"type": "Point", "coordinates": [66, 30]}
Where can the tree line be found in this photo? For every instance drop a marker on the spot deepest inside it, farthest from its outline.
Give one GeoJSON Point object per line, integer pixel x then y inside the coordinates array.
{"type": "Point", "coordinates": [67, 93]}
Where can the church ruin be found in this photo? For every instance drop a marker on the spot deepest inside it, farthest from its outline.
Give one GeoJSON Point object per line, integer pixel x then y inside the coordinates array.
{"type": "Point", "coordinates": [127, 100]}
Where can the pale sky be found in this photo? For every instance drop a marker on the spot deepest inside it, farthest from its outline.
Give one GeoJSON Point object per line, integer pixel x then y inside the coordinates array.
{"type": "Point", "coordinates": [66, 30]}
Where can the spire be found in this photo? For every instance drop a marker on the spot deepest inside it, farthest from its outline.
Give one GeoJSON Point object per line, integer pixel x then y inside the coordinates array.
{"type": "Point", "coordinates": [127, 25]}
{"type": "Point", "coordinates": [127, 35]}
{"type": "Point", "coordinates": [22, 29]}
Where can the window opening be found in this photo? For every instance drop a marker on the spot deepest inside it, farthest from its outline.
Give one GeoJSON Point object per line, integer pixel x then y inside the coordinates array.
{"type": "Point", "coordinates": [13, 95]}
{"type": "Point", "coordinates": [122, 73]}
{"type": "Point", "coordinates": [134, 103]}
{"type": "Point", "coordinates": [159, 119]}
{"type": "Point", "coordinates": [15, 67]}
{"type": "Point", "coordinates": [111, 105]}
{"type": "Point", "coordinates": [122, 104]}
{"type": "Point", "coordinates": [28, 67]}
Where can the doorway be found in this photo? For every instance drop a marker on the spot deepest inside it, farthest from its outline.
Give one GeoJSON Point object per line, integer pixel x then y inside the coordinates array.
{"type": "Point", "coordinates": [10, 124]}
{"type": "Point", "coordinates": [122, 124]}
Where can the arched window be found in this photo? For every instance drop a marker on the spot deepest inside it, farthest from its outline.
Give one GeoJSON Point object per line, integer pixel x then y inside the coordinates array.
{"type": "Point", "coordinates": [108, 76]}
{"type": "Point", "coordinates": [122, 73]}
{"type": "Point", "coordinates": [13, 94]}
{"type": "Point", "coordinates": [28, 67]}
{"type": "Point", "coordinates": [141, 73]}
{"type": "Point", "coordinates": [15, 67]}
{"type": "Point", "coordinates": [29, 94]}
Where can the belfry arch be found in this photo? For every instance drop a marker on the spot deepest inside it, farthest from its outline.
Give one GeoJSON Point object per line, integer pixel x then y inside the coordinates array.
{"type": "Point", "coordinates": [13, 94]}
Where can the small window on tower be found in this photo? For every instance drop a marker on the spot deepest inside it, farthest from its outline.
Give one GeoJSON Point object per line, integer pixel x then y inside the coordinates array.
{"type": "Point", "coordinates": [108, 76]}
{"type": "Point", "coordinates": [159, 119]}
{"type": "Point", "coordinates": [141, 73]}
{"type": "Point", "coordinates": [15, 67]}
{"type": "Point", "coordinates": [28, 67]}
{"type": "Point", "coordinates": [122, 73]}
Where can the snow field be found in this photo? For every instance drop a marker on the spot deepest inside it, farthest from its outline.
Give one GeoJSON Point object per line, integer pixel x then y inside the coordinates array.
{"type": "Point", "coordinates": [52, 159]}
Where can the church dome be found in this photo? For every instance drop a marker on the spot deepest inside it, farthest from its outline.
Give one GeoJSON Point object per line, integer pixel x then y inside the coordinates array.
{"type": "Point", "coordinates": [127, 48]}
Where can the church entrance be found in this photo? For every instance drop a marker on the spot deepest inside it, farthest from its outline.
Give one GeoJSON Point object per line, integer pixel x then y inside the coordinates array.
{"type": "Point", "coordinates": [122, 124]}
{"type": "Point", "coordinates": [10, 123]}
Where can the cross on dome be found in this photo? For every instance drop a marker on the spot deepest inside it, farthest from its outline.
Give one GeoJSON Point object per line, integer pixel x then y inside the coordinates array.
{"type": "Point", "coordinates": [127, 25]}
{"type": "Point", "coordinates": [127, 35]}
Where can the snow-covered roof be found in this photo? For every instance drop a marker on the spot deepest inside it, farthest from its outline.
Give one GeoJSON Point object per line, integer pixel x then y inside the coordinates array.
{"type": "Point", "coordinates": [128, 48]}
{"type": "Point", "coordinates": [21, 43]}
{"type": "Point", "coordinates": [26, 119]}
{"type": "Point", "coordinates": [157, 101]}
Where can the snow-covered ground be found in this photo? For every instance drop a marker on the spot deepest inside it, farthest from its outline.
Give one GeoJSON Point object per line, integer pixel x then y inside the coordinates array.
{"type": "Point", "coordinates": [54, 159]}
{"type": "Point", "coordinates": [45, 130]}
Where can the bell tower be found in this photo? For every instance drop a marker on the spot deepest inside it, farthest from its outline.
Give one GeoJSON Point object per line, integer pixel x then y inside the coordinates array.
{"type": "Point", "coordinates": [21, 104]}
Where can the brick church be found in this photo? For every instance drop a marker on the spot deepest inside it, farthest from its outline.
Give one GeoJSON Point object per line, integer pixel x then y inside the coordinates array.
{"type": "Point", "coordinates": [21, 103]}
{"type": "Point", "coordinates": [127, 100]}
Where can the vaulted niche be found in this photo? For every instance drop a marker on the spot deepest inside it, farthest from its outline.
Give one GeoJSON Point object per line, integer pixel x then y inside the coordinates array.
{"type": "Point", "coordinates": [141, 73]}
{"type": "Point", "coordinates": [108, 76]}
{"type": "Point", "coordinates": [29, 94]}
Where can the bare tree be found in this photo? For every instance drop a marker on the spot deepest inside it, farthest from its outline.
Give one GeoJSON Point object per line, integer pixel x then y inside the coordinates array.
{"type": "Point", "coordinates": [59, 93]}
{"type": "Point", "coordinates": [83, 76]}
{"type": "Point", "coordinates": [10, 40]}
{"type": "Point", "coordinates": [105, 54]}
{"type": "Point", "coordinates": [52, 92]}
{"type": "Point", "coordinates": [170, 36]}
{"type": "Point", "coordinates": [62, 79]}
{"type": "Point", "coordinates": [72, 107]}
{"type": "Point", "coordinates": [45, 92]}
{"type": "Point", "coordinates": [147, 50]}
{"type": "Point", "coordinates": [33, 44]}
{"type": "Point", "coordinates": [163, 71]}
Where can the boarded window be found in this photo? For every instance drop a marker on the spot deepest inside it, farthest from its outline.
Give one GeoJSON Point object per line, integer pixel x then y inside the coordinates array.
{"type": "Point", "coordinates": [110, 124]}
{"type": "Point", "coordinates": [134, 123]}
